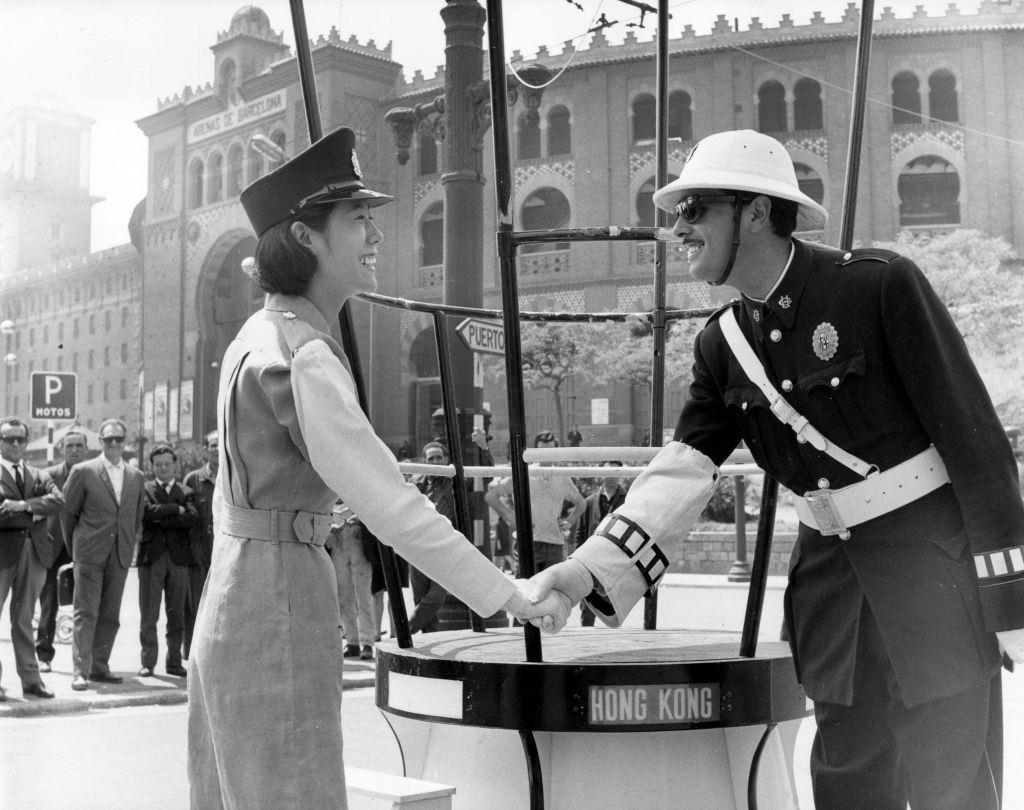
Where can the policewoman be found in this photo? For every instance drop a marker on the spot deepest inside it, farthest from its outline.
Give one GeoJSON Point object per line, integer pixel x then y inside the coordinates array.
{"type": "Point", "coordinates": [265, 673]}
{"type": "Point", "coordinates": [849, 382]}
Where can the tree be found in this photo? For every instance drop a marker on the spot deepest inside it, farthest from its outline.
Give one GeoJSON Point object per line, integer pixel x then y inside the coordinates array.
{"type": "Point", "coordinates": [979, 279]}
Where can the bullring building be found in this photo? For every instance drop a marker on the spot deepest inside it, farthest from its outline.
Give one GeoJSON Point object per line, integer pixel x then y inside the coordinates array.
{"type": "Point", "coordinates": [146, 323]}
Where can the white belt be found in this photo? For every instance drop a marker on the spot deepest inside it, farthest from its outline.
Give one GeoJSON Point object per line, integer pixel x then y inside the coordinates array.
{"type": "Point", "coordinates": [275, 526]}
{"type": "Point", "coordinates": [833, 512]}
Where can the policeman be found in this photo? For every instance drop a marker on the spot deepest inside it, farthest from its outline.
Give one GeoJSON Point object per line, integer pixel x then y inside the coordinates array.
{"type": "Point", "coordinates": [849, 382]}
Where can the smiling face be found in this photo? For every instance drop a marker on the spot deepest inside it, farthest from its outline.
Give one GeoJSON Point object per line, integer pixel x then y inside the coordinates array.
{"type": "Point", "coordinates": [708, 239]}
{"type": "Point", "coordinates": [346, 253]}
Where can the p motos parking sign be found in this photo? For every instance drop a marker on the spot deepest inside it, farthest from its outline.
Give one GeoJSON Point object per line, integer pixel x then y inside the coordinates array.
{"type": "Point", "coordinates": [54, 395]}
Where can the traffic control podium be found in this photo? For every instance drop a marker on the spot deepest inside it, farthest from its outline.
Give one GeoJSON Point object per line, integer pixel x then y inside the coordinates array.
{"type": "Point", "coordinates": [610, 719]}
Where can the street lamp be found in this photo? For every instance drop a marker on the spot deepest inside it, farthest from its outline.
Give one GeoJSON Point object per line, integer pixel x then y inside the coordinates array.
{"type": "Point", "coordinates": [10, 360]}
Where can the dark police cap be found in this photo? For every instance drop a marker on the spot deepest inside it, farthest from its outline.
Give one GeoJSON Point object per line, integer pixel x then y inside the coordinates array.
{"type": "Point", "coordinates": [326, 172]}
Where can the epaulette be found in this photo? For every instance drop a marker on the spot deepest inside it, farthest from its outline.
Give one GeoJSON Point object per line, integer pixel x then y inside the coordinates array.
{"type": "Point", "coordinates": [866, 254]}
{"type": "Point", "coordinates": [718, 312]}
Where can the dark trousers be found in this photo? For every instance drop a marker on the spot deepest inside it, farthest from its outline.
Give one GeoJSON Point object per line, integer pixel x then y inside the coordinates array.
{"type": "Point", "coordinates": [48, 604]}
{"type": "Point", "coordinates": [97, 605]}
{"type": "Point", "coordinates": [879, 754]}
{"type": "Point", "coordinates": [162, 578]}
{"type": "Point", "coordinates": [196, 581]}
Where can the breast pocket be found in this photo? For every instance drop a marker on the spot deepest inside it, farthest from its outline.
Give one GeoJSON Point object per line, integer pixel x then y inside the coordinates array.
{"type": "Point", "coordinates": [764, 434]}
{"type": "Point", "coordinates": [835, 392]}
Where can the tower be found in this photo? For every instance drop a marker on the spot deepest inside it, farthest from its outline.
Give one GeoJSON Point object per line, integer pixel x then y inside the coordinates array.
{"type": "Point", "coordinates": [45, 205]}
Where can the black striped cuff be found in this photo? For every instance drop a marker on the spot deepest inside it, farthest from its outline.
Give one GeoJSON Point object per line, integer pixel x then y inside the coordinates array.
{"type": "Point", "coordinates": [1007, 562]}
{"type": "Point", "coordinates": [636, 544]}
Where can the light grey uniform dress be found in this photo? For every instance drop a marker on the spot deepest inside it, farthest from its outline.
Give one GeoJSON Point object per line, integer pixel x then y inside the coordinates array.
{"type": "Point", "coordinates": [265, 674]}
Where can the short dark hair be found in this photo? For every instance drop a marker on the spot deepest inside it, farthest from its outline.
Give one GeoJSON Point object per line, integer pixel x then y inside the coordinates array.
{"type": "Point", "coordinates": [282, 264]}
{"type": "Point", "coordinates": [783, 216]}
{"type": "Point", "coordinates": [14, 422]}
{"type": "Point", "coordinates": [75, 431]}
{"type": "Point", "coordinates": [545, 436]}
{"type": "Point", "coordinates": [162, 449]}
{"type": "Point", "coordinates": [442, 448]}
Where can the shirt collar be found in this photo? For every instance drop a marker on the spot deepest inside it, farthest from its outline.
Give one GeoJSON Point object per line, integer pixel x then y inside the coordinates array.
{"type": "Point", "coordinates": [10, 466]}
{"type": "Point", "coordinates": [109, 466]}
{"type": "Point", "coordinates": [784, 299]}
{"type": "Point", "coordinates": [165, 484]}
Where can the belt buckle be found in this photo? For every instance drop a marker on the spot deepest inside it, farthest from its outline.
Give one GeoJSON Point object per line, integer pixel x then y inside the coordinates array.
{"type": "Point", "coordinates": [826, 515]}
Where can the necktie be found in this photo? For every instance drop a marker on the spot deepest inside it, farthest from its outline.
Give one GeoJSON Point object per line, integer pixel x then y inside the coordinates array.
{"type": "Point", "coordinates": [19, 481]}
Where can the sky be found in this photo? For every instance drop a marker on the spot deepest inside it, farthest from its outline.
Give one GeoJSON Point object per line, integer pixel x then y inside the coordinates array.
{"type": "Point", "coordinates": [111, 59]}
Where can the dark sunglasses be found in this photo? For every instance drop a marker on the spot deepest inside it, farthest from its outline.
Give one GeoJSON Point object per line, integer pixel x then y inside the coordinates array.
{"type": "Point", "coordinates": [694, 206]}
{"type": "Point", "coordinates": [112, 439]}
{"type": "Point", "coordinates": [14, 439]}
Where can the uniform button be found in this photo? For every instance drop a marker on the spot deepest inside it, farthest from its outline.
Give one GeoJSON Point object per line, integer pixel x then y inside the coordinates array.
{"type": "Point", "coordinates": [846, 256]}
{"type": "Point", "coordinates": [775, 335]}
{"type": "Point", "coordinates": [834, 382]}
{"type": "Point", "coordinates": [822, 483]}
{"type": "Point", "coordinates": [787, 385]}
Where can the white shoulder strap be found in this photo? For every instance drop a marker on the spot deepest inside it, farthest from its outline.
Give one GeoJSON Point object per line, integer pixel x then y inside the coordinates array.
{"type": "Point", "coordinates": [784, 412]}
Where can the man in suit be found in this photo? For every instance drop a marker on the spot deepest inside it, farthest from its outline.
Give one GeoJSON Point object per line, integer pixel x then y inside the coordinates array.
{"type": "Point", "coordinates": [27, 495]}
{"type": "Point", "coordinates": [606, 498]}
{"type": "Point", "coordinates": [102, 521]}
{"type": "Point", "coordinates": [202, 483]}
{"type": "Point", "coordinates": [164, 560]}
{"type": "Point", "coordinates": [75, 447]}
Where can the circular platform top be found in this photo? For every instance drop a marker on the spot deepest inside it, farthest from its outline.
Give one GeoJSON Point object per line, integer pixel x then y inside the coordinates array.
{"type": "Point", "coordinates": [582, 646]}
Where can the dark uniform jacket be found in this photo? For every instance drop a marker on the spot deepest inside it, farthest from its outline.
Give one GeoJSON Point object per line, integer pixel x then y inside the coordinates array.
{"type": "Point", "coordinates": [165, 529]}
{"type": "Point", "coordinates": [202, 485]}
{"type": "Point", "coordinates": [44, 496]}
{"type": "Point", "coordinates": [940, 574]}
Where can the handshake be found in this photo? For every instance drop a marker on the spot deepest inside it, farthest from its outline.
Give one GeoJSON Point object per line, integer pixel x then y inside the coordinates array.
{"type": "Point", "coordinates": [547, 599]}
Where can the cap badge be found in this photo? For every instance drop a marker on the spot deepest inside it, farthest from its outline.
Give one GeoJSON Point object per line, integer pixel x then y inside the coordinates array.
{"type": "Point", "coordinates": [785, 302]}
{"type": "Point", "coordinates": [825, 341]}
{"type": "Point", "coordinates": [355, 165]}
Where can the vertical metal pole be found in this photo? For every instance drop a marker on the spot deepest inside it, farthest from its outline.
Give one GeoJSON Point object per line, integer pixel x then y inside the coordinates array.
{"type": "Point", "coordinates": [510, 306]}
{"type": "Point", "coordinates": [451, 425]}
{"type": "Point", "coordinates": [740, 571]}
{"type": "Point", "coordinates": [660, 274]}
{"type": "Point", "coordinates": [304, 58]}
{"type": "Point", "coordinates": [759, 574]}
{"type": "Point", "coordinates": [860, 83]}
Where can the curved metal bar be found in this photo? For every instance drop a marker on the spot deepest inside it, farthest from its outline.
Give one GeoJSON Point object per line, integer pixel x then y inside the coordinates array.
{"type": "Point", "coordinates": [498, 314]}
{"type": "Point", "coordinates": [451, 427]}
{"type": "Point", "coordinates": [533, 770]}
{"type": "Point", "coordinates": [307, 81]}
{"type": "Point", "coordinates": [755, 764]}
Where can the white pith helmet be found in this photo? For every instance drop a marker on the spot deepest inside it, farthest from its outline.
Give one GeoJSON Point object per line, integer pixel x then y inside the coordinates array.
{"type": "Point", "coordinates": [742, 160]}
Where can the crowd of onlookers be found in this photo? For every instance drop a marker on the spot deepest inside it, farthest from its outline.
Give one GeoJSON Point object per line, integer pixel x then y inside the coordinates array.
{"type": "Point", "coordinates": [74, 529]}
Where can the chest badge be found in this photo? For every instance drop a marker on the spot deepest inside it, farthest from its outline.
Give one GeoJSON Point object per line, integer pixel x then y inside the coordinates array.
{"type": "Point", "coordinates": [756, 315]}
{"type": "Point", "coordinates": [785, 302]}
{"type": "Point", "coordinates": [825, 341]}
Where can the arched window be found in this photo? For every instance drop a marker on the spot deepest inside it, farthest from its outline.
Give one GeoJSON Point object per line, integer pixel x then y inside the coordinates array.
{"type": "Point", "coordinates": [906, 98]}
{"type": "Point", "coordinates": [810, 182]}
{"type": "Point", "coordinates": [529, 137]}
{"type": "Point", "coordinates": [195, 184]}
{"type": "Point", "coordinates": [644, 123]}
{"type": "Point", "coordinates": [771, 107]}
{"type": "Point", "coordinates": [645, 203]}
{"type": "Point", "coordinates": [255, 165]}
{"type": "Point", "coordinates": [428, 153]}
{"type": "Point", "coordinates": [432, 235]}
{"type": "Point", "coordinates": [807, 105]}
{"type": "Point", "coordinates": [680, 116]}
{"type": "Point", "coordinates": [942, 99]}
{"type": "Point", "coordinates": [236, 182]}
{"type": "Point", "coordinates": [545, 209]}
{"type": "Point", "coordinates": [227, 81]}
{"type": "Point", "coordinates": [559, 132]}
{"type": "Point", "coordinates": [279, 139]}
{"type": "Point", "coordinates": [928, 188]}
{"type": "Point", "coordinates": [214, 177]}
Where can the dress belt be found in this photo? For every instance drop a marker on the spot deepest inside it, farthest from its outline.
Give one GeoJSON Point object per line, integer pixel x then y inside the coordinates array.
{"type": "Point", "coordinates": [275, 526]}
{"type": "Point", "coordinates": [833, 512]}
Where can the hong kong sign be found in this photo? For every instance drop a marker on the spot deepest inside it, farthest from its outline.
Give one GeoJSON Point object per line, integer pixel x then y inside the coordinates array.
{"type": "Point", "coordinates": [654, 704]}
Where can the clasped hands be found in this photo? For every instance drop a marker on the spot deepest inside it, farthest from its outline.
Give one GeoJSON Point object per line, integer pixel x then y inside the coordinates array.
{"type": "Point", "coordinates": [547, 599]}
